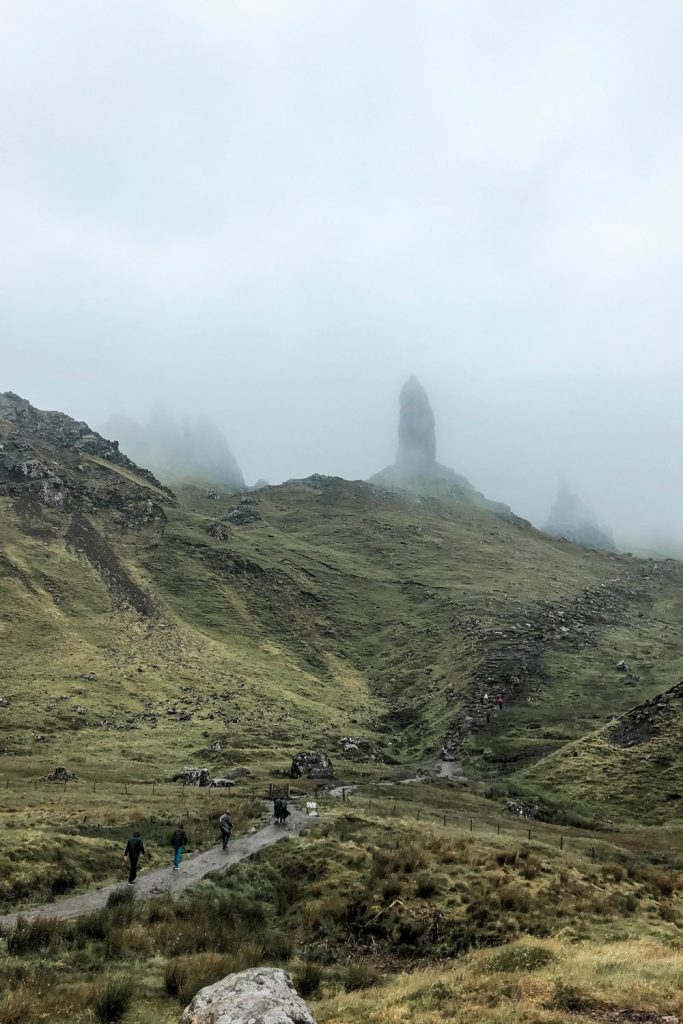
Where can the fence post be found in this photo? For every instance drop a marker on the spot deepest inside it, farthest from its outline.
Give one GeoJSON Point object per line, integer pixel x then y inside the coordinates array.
{"type": "Point", "coordinates": [561, 842]}
{"type": "Point", "coordinates": [444, 819]}
{"type": "Point", "coordinates": [153, 788]}
{"type": "Point", "coordinates": [418, 814]}
{"type": "Point", "coordinates": [498, 829]}
{"type": "Point", "coordinates": [529, 833]}
{"type": "Point", "coordinates": [470, 824]}
{"type": "Point", "coordinates": [343, 795]}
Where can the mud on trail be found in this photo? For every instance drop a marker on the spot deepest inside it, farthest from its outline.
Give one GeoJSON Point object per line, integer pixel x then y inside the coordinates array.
{"type": "Point", "coordinates": [164, 880]}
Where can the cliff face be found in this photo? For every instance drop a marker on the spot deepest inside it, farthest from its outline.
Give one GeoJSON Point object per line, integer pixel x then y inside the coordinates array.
{"type": "Point", "coordinates": [50, 459]}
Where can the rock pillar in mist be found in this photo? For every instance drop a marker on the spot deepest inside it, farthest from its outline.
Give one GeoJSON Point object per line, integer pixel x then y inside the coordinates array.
{"type": "Point", "coordinates": [416, 435]}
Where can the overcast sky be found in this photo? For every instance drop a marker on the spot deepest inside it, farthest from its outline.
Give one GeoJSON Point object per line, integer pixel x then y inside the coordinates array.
{"type": "Point", "coordinates": [274, 212]}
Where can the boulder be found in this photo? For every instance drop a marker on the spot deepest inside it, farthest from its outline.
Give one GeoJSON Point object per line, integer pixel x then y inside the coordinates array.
{"type": "Point", "coordinates": [311, 764]}
{"type": "Point", "coordinates": [524, 810]}
{"type": "Point", "coordinates": [262, 995]}
{"type": "Point", "coordinates": [242, 515]}
{"type": "Point", "coordinates": [194, 777]}
{"type": "Point", "coordinates": [621, 666]}
{"type": "Point", "coordinates": [60, 774]}
{"type": "Point", "coordinates": [218, 530]}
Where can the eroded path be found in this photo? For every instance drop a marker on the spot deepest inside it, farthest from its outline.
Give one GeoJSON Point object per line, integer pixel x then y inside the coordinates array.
{"type": "Point", "coordinates": [150, 884]}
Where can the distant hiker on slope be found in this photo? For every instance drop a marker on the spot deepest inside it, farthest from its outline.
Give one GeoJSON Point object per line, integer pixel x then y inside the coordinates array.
{"type": "Point", "coordinates": [134, 850]}
{"type": "Point", "coordinates": [178, 842]}
{"type": "Point", "coordinates": [225, 823]}
{"type": "Point", "coordinates": [500, 701]}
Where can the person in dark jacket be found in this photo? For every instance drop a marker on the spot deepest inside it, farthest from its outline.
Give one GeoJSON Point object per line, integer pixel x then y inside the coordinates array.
{"type": "Point", "coordinates": [225, 822]}
{"type": "Point", "coordinates": [135, 849]}
{"type": "Point", "coordinates": [178, 842]}
{"type": "Point", "coordinates": [280, 809]}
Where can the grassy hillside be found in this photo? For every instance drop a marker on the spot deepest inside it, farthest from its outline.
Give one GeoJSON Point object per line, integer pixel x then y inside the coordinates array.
{"type": "Point", "coordinates": [129, 649]}
{"type": "Point", "coordinates": [141, 631]}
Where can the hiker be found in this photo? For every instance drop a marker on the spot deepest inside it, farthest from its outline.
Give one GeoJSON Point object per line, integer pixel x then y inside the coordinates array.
{"type": "Point", "coordinates": [281, 812]}
{"type": "Point", "coordinates": [178, 842]}
{"type": "Point", "coordinates": [500, 701]}
{"type": "Point", "coordinates": [225, 823]}
{"type": "Point", "coordinates": [135, 849]}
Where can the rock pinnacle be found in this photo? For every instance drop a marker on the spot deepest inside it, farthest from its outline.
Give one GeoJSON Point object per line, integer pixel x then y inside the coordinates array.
{"type": "Point", "coordinates": [416, 435]}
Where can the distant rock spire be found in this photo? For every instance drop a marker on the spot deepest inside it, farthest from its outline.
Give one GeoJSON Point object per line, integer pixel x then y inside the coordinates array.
{"type": "Point", "coordinates": [571, 520]}
{"type": "Point", "coordinates": [416, 434]}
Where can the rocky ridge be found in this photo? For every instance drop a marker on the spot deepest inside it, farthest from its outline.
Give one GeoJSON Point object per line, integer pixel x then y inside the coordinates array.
{"type": "Point", "coordinates": [644, 722]}
{"type": "Point", "coordinates": [51, 460]}
{"type": "Point", "coordinates": [512, 662]}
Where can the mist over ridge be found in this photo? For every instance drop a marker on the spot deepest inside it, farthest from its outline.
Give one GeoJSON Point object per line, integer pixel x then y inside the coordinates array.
{"type": "Point", "coordinates": [298, 208]}
{"type": "Point", "coordinates": [194, 450]}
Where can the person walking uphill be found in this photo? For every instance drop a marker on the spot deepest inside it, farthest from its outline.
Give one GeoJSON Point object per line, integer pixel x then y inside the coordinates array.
{"type": "Point", "coordinates": [135, 849]}
{"type": "Point", "coordinates": [178, 842]}
{"type": "Point", "coordinates": [225, 822]}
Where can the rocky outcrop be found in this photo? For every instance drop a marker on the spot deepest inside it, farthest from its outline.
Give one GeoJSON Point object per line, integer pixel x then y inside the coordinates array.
{"type": "Point", "coordinates": [512, 663]}
{"type": "Point", "coordinates": [64, 432]}
{"type": "Point", "coordinates": [416, 468]}
{"type": "Point", "coordinates": [190, 776]}
{"type": "Point", "coordinates": [193, 451]}
{"type": "Point", "coordinates": [524, 810]}
{"type": "Point", "coordinates": [357, 747]}
{"type": "Point", "coordinates": [644, 722]}
{"type": "Point", "coordinates": [218, 531]}
{"type": "Point", "coordinates": [49, 459]}
{"type": "Point", "coordinates": [571, 520]}
{"type": "Point", "coordinates": [311, 764]}
{"type": "Point", "coordinates": [60, 774]}
{"type": "Point", "coordinates": [243, 514]}
{"type": "Point", "coordinates": [262, 995]}
{"type": "Point", "coordinates": [416, 429]}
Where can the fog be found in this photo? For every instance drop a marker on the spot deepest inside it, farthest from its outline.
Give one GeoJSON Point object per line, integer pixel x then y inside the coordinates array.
{"type": "Point", "coordinates": [272, 212]}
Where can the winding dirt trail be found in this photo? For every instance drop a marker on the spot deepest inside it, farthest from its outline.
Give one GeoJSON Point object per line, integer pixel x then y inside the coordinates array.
{"type": "Point", "coordinates": [151, 884]}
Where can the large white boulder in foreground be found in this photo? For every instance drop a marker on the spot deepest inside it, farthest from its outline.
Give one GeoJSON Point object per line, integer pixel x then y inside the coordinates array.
{"type": "Point", "coordinates": [262, 995]}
